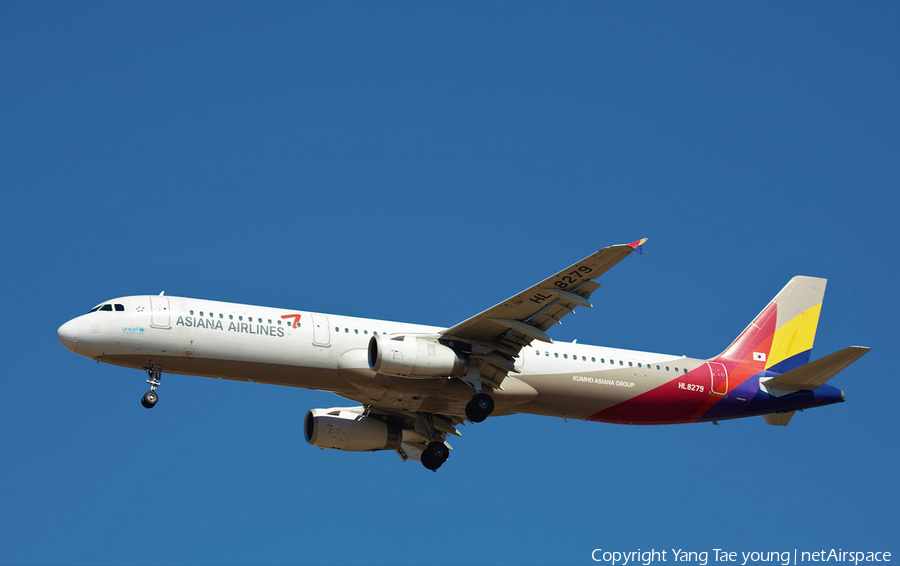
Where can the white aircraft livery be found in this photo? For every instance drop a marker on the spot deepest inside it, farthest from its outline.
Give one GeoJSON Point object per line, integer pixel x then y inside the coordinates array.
{"type": "Point", "coordinates": [416, 384]}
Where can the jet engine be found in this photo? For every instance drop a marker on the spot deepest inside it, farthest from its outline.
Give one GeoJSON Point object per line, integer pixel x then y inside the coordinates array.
{"type": "Point", "coordinates": [415, 356]}
{"type": "Point", "coordinates": [346, 428]}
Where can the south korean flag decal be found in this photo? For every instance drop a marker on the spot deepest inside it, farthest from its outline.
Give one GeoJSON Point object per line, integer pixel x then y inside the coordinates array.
{"type": "Point", "coordinates": [759, 357]}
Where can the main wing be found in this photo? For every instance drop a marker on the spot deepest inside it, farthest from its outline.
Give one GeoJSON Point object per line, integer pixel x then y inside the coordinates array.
{"type": "Point", "coordinates": [498, 334]}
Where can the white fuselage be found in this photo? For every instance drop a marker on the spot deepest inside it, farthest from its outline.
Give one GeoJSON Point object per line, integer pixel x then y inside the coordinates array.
{"type": "Point", "coordinates": [329, 352]}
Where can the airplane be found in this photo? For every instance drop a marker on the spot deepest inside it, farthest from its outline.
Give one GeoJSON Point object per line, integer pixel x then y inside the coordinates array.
{"type": "Point", "coordinates": [416, 384]}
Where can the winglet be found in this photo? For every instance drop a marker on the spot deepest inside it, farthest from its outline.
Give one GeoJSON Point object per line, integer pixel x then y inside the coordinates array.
{"type": "Point", "coordinates": [637, 246]}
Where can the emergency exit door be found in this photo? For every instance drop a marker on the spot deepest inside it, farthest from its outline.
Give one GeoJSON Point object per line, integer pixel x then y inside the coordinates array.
{"type": "Point", "coordinates": [321, 331]}
{"type": "Point", "coordinates": [159, 312]}
{"type": "Point", "coordinates": [719, 375]}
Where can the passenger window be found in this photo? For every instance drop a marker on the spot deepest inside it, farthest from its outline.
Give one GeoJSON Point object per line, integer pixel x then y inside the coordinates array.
{"type": "Point", "coordinates": [556, 354]}
{"type": "Point", "coordinates": [201, 313]}
{"type": "Point", "coordinates": [241, 317]}
{"type": "Point", "coordinates": [667, 368]}
{"type": "Point", "coordinates": [365, 331]}
{"type": "Point", "coordinates": [106, 308]}
{"type": "Point", "coordinates": [546, 354]}
{"type": "Point", "coordinates": [347, 330]}
{"type": "Point", "coordinates": [685, 370]}
{"type": "Point", "coordinates": [192, 313]}
{"type": "Point", "coordinates": [221, 315]}
{"type": "Point", "coordinates": [336, 329]}
{"type": "Point", "coordinates": [583, 358]}
{"type": "Point", "coordinates": [231, 317]}
{"type": "Point", "coordinates": [120, 308]}
{"type": "Point", "coordinates": [676, 369]}
{"type": "Point", "coordinates": [270, 321]}
{"type": "Point", "coordinates": [630, 365]}
{"type": "Point", "coordinates": [211, 315]}
{"type": "Point", "coordinates": [621, 363]}
{"type": "Point", "coordinates": [355, 331]}
{"type": "Point", "coordinates": [639, 364]}
{"type": "Point", "coordinates": [657, 367]}
{"type": "Point", "coordinates": [593, 359]}
{"type": "Point", "coordinates": [259, 320]}
{"type": "Point", "coordinates": [566, 356]}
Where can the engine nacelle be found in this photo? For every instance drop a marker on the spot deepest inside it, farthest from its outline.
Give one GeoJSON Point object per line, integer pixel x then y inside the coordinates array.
{"type": "Point", "coordinates": [345, 428]}
{"type": "Point", "coordinates": [414, 356]}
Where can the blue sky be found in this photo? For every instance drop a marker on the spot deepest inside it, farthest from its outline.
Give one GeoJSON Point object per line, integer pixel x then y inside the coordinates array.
{"type": "Point", "coordinates": [422, 162]}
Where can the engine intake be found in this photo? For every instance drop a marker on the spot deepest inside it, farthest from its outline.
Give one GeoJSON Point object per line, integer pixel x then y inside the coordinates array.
{"type": "Point", "coordinates": [415, 356]}
{"type": "Point", "coordinates": [346, 428]}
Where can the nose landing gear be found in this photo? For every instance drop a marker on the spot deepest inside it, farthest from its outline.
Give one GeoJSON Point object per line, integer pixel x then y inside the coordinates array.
{"type": "Point", "coordinates": [150, 398]}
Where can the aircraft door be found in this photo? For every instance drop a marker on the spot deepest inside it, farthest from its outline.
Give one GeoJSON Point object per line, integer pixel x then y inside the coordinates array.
{"type": "Point", "coordinates": [719, 378]}
{"type": "Point", "coordinates": [159, 312]}
{"type": "Point", "coordinates": [321, 330]}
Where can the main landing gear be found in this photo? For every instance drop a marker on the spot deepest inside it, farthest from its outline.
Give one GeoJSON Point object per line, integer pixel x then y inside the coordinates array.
{"type": "Point", "coordinates": [437, 451]}
{"type": "Point", "coordinates": [434, 455]}
{"type": "Point", "coordinates": [150, 398]}
{"type": "Point", "coordinates": [480, 407]}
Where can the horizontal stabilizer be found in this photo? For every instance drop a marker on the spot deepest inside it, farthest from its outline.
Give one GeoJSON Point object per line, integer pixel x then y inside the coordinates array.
{"type": "Point", "coordinates": [814, 374]}
{"type": "Point", "coordinates": [778, 419]}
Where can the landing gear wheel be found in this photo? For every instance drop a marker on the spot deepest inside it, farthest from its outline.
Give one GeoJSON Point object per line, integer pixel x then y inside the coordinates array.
{"type": "Point", "coordinates": [149, 399]}
{"type": "Point", "coordinates": [434, 455]}
{"type": "Point", "coordinates": [479, 407]}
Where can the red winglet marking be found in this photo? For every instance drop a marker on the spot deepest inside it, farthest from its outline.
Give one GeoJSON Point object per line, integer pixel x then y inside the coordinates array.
{"type": "Point", "coordinates": [635, 245]}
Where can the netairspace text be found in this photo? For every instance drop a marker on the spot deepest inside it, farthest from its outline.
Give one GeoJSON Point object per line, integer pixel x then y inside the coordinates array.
{"type": "Point", "coordinates": [717, 555]}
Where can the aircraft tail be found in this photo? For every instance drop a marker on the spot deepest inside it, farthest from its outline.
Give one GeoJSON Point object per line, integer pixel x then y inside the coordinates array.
{"type": "Point", "coordinates": [781, 337]}
{"type": "Point", "coordinates": [776, 348]}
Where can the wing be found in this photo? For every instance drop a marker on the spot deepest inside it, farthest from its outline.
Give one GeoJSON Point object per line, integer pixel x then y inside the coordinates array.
{"type": "Point", "coordinates": [498, 334]}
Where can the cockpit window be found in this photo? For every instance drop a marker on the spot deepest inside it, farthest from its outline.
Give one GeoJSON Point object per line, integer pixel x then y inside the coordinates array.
{"type": "Point", "coordinates": [108, 308]}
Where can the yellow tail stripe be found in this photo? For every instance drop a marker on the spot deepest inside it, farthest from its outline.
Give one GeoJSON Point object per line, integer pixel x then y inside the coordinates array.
{"type": "Point", "coordinates": [794, 336]}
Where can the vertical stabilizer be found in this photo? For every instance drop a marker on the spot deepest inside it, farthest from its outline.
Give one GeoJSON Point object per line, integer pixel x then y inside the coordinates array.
{"type": "Point", "coordinates": [781, 337]}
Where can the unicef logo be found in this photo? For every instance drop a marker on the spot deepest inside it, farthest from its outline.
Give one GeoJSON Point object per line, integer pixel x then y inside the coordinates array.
{"type": "Point", "coordinates": [141, 329]}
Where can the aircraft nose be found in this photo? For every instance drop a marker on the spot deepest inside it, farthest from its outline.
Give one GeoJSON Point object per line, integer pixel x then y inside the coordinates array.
{"type": "Point", "coordinates": [68, 334]}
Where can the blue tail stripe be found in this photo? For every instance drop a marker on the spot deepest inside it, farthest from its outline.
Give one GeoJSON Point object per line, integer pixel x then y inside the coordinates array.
{"type": "Point", "coordinates": [793, 362]}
